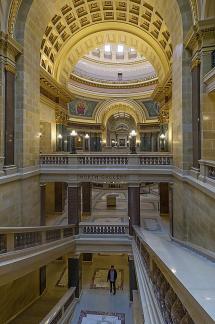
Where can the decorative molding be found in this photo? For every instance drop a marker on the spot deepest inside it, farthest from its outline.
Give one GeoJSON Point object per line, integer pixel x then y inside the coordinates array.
{"type": "Point", "coordinates": [14, 8]}
{"type": "Point", "coordinates": [199, 35]}
{"type": "Point", "coordinates": [9, 48]}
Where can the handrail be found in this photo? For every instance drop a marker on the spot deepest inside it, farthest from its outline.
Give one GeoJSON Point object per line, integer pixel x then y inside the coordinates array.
{"type": "Point", "coordinates": [168, 287]}
{"type": "Point", "coordinates": [62, 310]}
{"type": "Point", "coordinates": [20, 238]}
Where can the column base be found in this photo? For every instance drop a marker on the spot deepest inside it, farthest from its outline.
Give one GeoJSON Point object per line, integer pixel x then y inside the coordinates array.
{"type": "Point", "coordinates": [194, 172]}
{"type": "Point", "coordinates": [10, 169]}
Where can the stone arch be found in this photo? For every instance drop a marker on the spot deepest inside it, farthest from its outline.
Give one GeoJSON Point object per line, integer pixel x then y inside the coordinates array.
{"type": "Point", "coordinates": [71, 55]}
{"type": "Point", "coordinates": [110, 107]}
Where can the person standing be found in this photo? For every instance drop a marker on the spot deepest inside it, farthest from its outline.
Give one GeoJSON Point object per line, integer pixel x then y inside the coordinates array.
{"type": "Point", "coordinates": [112, 276]}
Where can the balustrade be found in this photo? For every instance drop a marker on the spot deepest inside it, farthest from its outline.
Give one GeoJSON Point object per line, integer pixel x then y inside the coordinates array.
{"type": "Point", "coordinates": [53, 235]}
{"type": "Point", "coordinates": [103, 229]}
{"type": "Point", "coordinates": [102, 159]}
{"type": "Point", "coordinates": [173, 311]}
{"type": "Point", "coordinates": [13, 239]}
{"type": "Point", "coordinates": [63, 310]}
{"type": "Point", "coordinates": [26, 240]}
{"type": "Point", "coordinates": [207, 170]}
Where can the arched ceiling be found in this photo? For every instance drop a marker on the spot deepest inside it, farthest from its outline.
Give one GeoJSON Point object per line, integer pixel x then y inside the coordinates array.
{"type": "Point", "coordinates": [79, 14]}
{"type": "Point", "coordinates": [113, 107]}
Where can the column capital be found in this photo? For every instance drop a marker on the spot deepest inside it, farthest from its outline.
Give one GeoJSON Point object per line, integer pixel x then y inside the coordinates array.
{"type": "Point", "coordinates": [9, 47]}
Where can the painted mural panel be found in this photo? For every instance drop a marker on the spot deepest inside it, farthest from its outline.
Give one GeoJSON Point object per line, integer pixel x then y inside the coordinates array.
{"type": "Point", "coordinates": [151, 106]}
{"type": "Point", "coordinates": [82, 107]}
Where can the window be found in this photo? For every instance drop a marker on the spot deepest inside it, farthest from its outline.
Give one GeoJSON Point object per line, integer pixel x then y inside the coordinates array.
{"type": "Point", "coordinates": [107, 48]}
{"type": "Point", "coordinates": [120, 48]}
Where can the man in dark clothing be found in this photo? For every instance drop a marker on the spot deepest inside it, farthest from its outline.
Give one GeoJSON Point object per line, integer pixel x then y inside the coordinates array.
{"type": "Point", "coordinates": [112, 276]}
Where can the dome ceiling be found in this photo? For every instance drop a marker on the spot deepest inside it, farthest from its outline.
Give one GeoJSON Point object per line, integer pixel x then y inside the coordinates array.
{"type": "Point", "coordinates": [114, 63]}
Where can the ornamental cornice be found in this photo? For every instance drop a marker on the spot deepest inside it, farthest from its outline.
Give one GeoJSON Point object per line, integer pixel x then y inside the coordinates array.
{"type": "Point", "coordinates": [9, 47]}
{"type": "Point", "coordinates": [54, 88]}
{"type": "Point", "coordinates": [113, 84]}
{"type": "Point", "coordinates": [202, 33]}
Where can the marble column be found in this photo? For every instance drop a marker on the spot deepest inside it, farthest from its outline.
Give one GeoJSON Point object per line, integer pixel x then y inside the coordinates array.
{"type": "Point", "coordinates": [74, 204]}
{"type": "Point", "coordinates": [9, 115]}
{"type": "Point", "coordinates": [133, 206]}
{"type": "Point", "coordinates": [75, 274]}
{"type": "Point", "coordinates": [132, 278]}
{"type": "Point", "coordinates": [59, 197]}
{"type": "Point", "coordinates": [59, 138]}
{"type": "Point", "coordinates": [86, 198]}
{"type": "Point", "coordinates": [42, 204]}
{"type": "Point", "coordinates": [164, 198]}
{"type": "Point", "coordinates": [196, 131]}
{"type": "Point", "coordinates": [42, 279]}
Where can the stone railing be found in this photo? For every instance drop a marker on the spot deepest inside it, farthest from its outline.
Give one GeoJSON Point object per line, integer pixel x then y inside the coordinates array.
{"type": "Point", "coordinates": [20, 238]}
{"type": "Point", "coordinates": [90, 228]}
{"type": "Point", "coordinates": [106, 159]}
{"type": "Point", "coordinates": [62, 312]}
{"type": "Point", "coordinates": [207, 171]}
{"type": "Point", "coordinates": [164, 298]}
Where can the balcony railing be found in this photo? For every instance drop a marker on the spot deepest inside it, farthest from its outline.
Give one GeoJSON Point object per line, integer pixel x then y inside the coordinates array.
{"type": "Point", "coordinates": [107, 160]}
{"type": "Point", "coordinates": [89, 228]}
{"type": "Point", "coordinates": [62, 312]}
{"type": "Point", "coordinates": [207, 171]}
{"type": "Point", "coordinates": [20, 238]}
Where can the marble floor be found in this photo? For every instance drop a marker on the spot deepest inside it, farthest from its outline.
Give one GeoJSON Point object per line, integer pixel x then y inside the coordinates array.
{"type": "Point", "coordinates": [102, 302]}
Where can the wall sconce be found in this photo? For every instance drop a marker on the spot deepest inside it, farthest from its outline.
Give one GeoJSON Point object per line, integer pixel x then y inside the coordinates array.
{"type": "Point", "coordinates": [59, 136]}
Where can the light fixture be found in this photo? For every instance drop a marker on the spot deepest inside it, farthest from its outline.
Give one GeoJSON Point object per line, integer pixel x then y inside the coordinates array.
{"type": "Point", "coordinates": [73, 133]}
{"type": "Point", "coordinates": [59, 136]}
{"type": "Point", "coordinates": [87, 136]}
{"type": "Point", "coordinates": [39, 134]}
{"type": "Point", "coordinates": [133, 133]}
{"type": "Point", "coordinates": [162, 136]}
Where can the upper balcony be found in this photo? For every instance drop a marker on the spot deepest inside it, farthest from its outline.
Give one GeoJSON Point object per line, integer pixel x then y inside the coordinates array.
{"type": "Point", "coordinates": [120, 165]}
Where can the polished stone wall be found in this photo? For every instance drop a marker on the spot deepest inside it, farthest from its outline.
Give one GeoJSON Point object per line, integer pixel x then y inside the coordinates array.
{"type": "Point", "coordinates": [17, 295]}
{"type": "Point", "coordinates": [193, 216]}
{"type": "Point", "coordinates": [20, 203]}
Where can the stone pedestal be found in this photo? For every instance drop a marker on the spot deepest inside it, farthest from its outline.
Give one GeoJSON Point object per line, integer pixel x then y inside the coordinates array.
{"type": "Point", "coordinates": [86, 198]}
{"type": "Point", "coordinates": [164, 199]}
{"type": "Point", "coordinates": [43, 204]}
{"type": "Point", "coordinates": [133, 206]}
{"type": "Point", "coordinates": [74, 204]}
{"type": "Point", "coordinates": [75, 274]}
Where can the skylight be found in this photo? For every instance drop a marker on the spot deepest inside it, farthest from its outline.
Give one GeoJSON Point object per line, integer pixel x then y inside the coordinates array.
{"type": "Point", "coordinates": [107, 48]}
{"type": "Point", "coordinates": [120, 48]}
